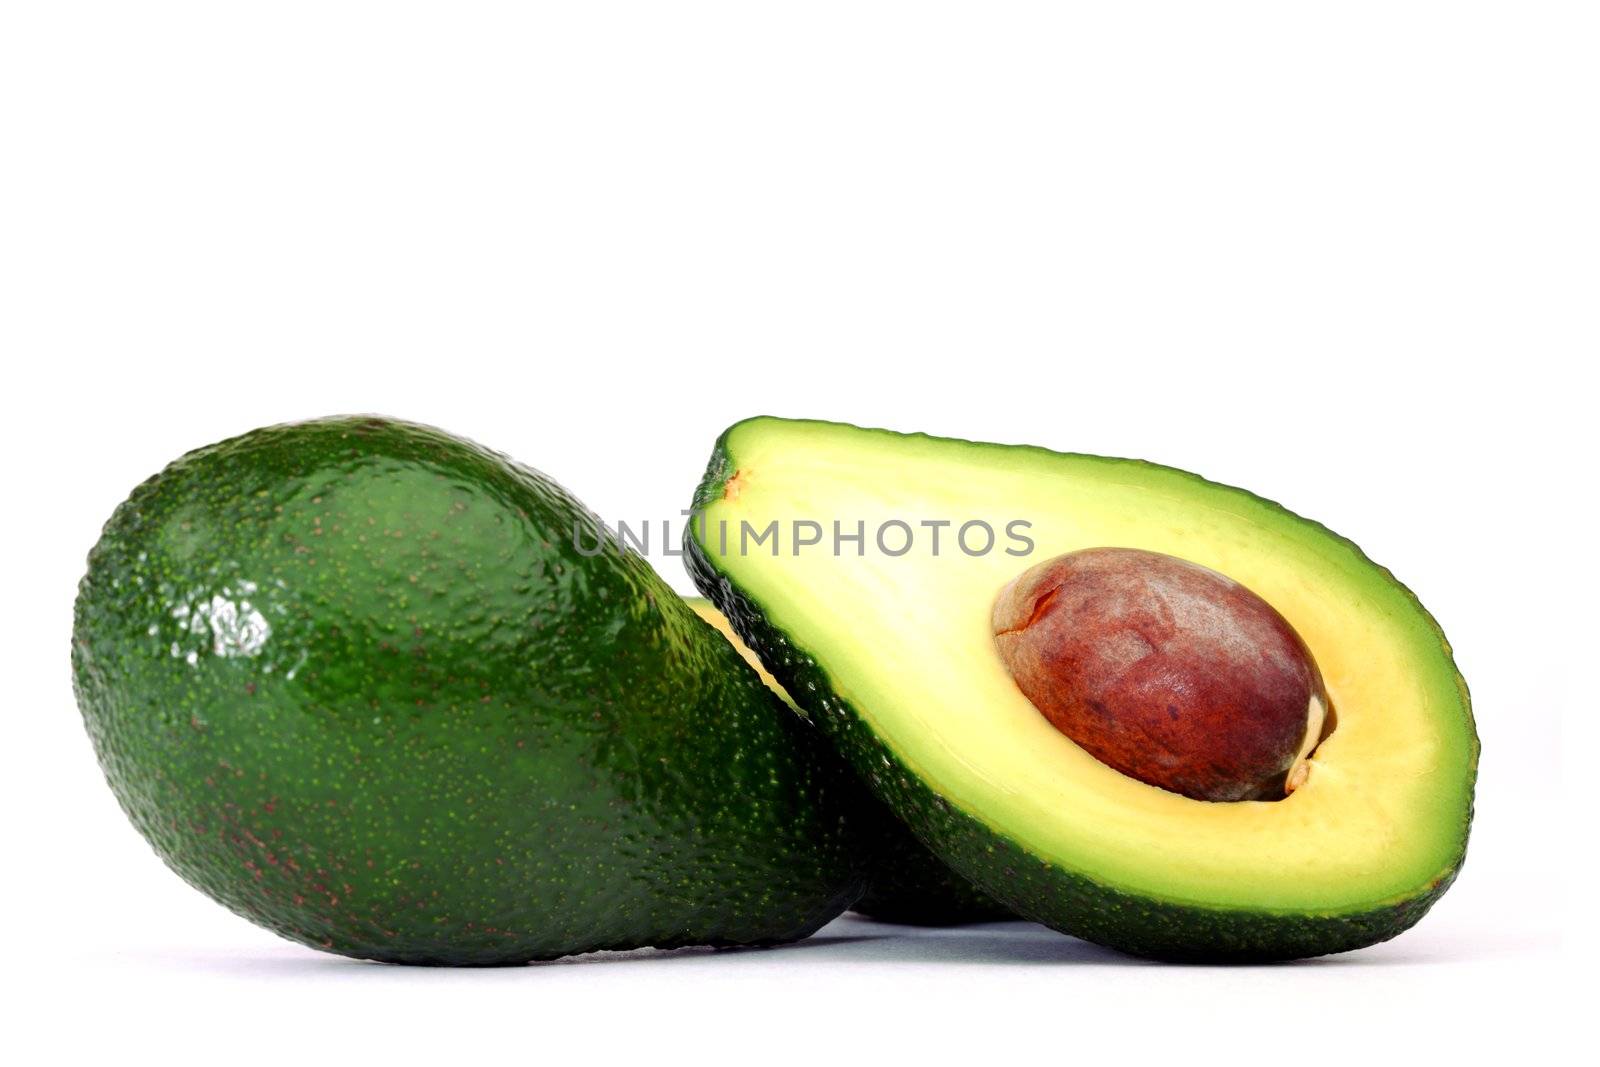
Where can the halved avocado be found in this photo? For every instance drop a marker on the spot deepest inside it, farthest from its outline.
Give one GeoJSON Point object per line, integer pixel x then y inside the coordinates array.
{"type": "Point", "coordinates": [907, 883]}
{"type": "Point", "coordinates": [891, 652]}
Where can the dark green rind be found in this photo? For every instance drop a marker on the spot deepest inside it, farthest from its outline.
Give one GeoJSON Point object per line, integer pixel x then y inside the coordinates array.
{"type": "Point", "coordinates": [464, 742]}
{"type": "Point", "coordinates": [910, 885]}
{"type": "Point", "coordinates": [1035, 888]}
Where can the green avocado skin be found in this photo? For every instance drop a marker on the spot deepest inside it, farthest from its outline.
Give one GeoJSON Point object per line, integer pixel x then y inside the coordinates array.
{"type": "Point", "coordinates": [909, 885]}
{"type": "Point", "coordinates": [356, 680]}
{"type": "Point", "coordinates": [1031, 885]}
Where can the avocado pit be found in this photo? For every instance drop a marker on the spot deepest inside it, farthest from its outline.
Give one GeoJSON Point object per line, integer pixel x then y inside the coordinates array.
{"type": "Point", "coordinates": [1166, 671]}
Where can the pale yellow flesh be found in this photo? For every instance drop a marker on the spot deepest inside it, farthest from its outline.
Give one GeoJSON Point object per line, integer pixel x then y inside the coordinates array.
{"type": "Point", "coordinates": [907, 642]}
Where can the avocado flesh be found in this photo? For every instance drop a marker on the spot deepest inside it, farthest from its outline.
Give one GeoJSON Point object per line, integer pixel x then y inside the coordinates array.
{"type": "Point", "coordinates": [908, 884]}
{"type": "Point", "coordinates": [893, 657]}
{"type": "Point", "coordinates": [352, 679]}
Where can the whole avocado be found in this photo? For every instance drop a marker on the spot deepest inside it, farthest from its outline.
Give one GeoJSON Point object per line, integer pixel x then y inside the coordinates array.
{"type": "Point", "coordinates": [388, 694]}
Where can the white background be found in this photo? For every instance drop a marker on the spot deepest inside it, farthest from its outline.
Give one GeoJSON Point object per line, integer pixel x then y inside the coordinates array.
{"type": "Point", "coordinates": [1342, 254]}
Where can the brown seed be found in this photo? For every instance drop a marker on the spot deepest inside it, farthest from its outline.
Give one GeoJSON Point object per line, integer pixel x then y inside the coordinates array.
{"type": "Point", "coordinates": [1164, 670]}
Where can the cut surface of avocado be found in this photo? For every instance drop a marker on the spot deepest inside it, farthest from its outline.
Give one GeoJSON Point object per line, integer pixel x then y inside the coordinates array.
{"type": "Point", "coordinates": [886, 642]}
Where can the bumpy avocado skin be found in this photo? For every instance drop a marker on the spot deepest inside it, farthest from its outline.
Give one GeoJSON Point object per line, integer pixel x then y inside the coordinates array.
{"type": "Point", "coordinates": [1029, 884]}
{"type": "Point", "coordinates": [353, 679]}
